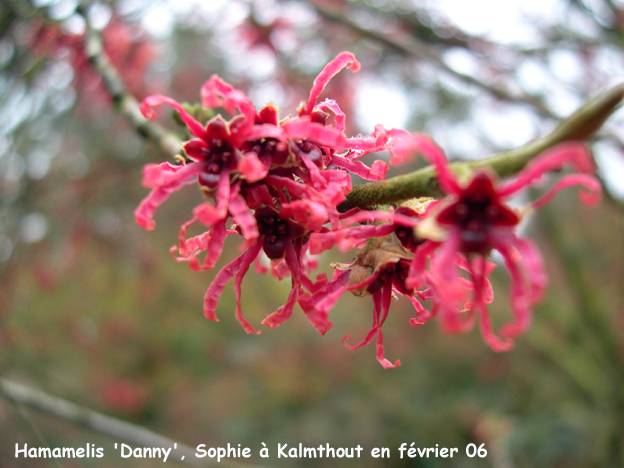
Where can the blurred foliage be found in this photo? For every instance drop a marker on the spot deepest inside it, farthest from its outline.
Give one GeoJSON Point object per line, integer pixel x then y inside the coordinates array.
{"type": "Point", "coordinates": [93, 309]}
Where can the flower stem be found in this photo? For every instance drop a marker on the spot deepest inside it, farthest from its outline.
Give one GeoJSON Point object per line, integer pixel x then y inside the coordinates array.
{"type": "Point", "coordinates": [581, 125]}
{"type": "Point", "coordinates": [123, 101]}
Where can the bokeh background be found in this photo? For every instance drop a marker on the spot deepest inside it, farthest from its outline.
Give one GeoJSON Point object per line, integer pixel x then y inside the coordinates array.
{"type": "Point", "coordinates": [93, 309]}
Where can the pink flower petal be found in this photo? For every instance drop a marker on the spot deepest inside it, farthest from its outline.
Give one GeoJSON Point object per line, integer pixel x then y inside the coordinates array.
{"type": "Point", "coordinates": [376, 172]}
{"type": "Point", "coordinates": [304, 129]}
{"type": "Point", "coordinates": [422, 314]}
{"type": "Point", "coordinates": [209, 215]}
{"type": "Point", "coordinates": [211, 299]}
{"type": "Point", "coordinates": [342, 60]}
{"type": "Point", "coordinates": [385, 307]}
{"type": "Point", "coordinates": [346, 239]}
{"type": "Point", "coordinates": [193, 125]}
{"type": "Point", "coordinates": [310, 214]}
{"type": "Point", "coordinates": [259, 132]}
{"type": "Point", "coordinates": [166, 174]}
{"type": "Point", "coordinates": [553, 159]}
{"type": "Point", "coordinates": [217, 93]}
{"type": "Point", "coordinates": [252, 168]}
{"type": "Point", "coordinates": [424, 145]}
{"type": "Point", "coordinates": [210, 241]}
{"type": "Point", "coordinates": [246, 260]}
{"type": "Point", "coordinates": [318, 305]}
{"type": "Point", "coordinates": [497, 344]}
{"type": "Point", "coordinates": [243, 217]}
{"type": "Point", "coordinates": [330, 104]}
{"type": "Point", "coordinates": [591, 183]}
{"type": "Point", "coordinates": [165, 180]}
{"type": "Point", "coordinates": [284, 312]}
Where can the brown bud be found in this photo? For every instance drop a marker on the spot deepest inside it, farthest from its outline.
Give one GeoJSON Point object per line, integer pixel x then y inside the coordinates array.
{"type": "Point", "coordinates": [379, 255]}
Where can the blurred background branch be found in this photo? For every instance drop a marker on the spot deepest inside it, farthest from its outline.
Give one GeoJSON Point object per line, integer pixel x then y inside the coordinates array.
{"type": "Point", "coordinates": [119, 431]}
{"type": "Point", "coordinates": [581, 125]}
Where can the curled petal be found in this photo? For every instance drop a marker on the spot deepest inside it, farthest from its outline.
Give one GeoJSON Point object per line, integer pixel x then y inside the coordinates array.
{"type": "Point", "coordinates": [243, 217]}
{"type": "Point", "coordinates": [424, 145]}
{"type": "Point", "coordinates": [381, 300]}
{"type": "Point", "coordinates": [246, 260]}
{"type": "Point", "coordinates": [362, 216]}
{"type": "Point", "coordinates": [210, 241]}
{"type": "Point", "coordinates": [211, 298]}
{"type": "Point", "coordinates": [193, 125]}
{"type": "Point", "coordinates": [165, 180]}
{"type": "Point", "coordinates": [305, 129]}
{"type": "Point", "coordinates": [259, 132]}
{"type": "Point", "coordinates": [318, 305]}
{"type": "Point", "coordinates": [342, 60]}
{"type": "Point", "coordinates": [535, 271]}
{"type": "Point", "coordinates": [376, 172]}
{"type": "Point", "coordinates": [386, 298]}
{"type": "Point", "coordinates": [573, 153]}
{"type": "Point", "coordinates": [308, 213]}
{"type": "Point", "coordinates": [422, 314]}
{"type": "Point", "coordinates": [528, 282]}
{"type": "Point", "coordinates": [346, 239]}
{"type": "Point", "coordinates": [252, 168]}
{"type": "Point", "coordinates": [589, 197]}
{"type": "Point", "coordinates": [418, 267]}
{"type": "Point", "coordinates": [443, 272]}
{"type": "Point", "coordinates": [166, 174]}
{"type": "Point", "coordinates": [144, 214]}
{"type": "Point", "coordinates": [492, 340]}
{"type": "Point", "coordinates": [284, 312]}
{"type": "Point", "coordinates": [217, 93]}
{"type": "Point", "coordinates": [279, 269]}
{"type": "Point", "coordinates": [330, 104]}
{"type": "Point", "coordinates": [318, 181]}
{"type": "Point", "coordinates": [209, 215]}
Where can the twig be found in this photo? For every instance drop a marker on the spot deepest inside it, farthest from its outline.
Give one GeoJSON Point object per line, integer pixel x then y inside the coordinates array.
{"type": "Point", "coordinates": [106, 425]}
{"type": "Point", "coordinates": [409, 45]}
{"type": "Point", "coordinates": [581, 125]}
{"type": "Point", "coordinates": [122, 99]}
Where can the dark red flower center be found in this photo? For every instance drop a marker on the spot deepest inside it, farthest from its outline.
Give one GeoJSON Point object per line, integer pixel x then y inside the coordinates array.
{"type": "Point", "coordinates": [268, 149]}
{"type": "Point", "coordinates": [307, 149]}
{"type": "Point", "coordinates": [406, 235]}
{"type": "Point", "coordinates": [275, 232]}
{"type": "Point", "coordinates": [476, 212]}
{"type": "Point", "coordinates": [393, 274]}
{"type": "Point", "coordinates": [218, 155]}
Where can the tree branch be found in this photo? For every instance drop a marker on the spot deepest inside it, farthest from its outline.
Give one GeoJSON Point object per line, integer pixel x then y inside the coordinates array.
{"type": "Point", "coordinates": [581, 125]}
{"type": "Point", "coordinates": [123, 101]}
{"type": "Point", "coordinates": [406, 44]}
{"type": "Point", "coordinates": [106, 425]}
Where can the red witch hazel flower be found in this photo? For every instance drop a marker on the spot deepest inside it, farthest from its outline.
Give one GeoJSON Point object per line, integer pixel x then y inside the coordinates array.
{"type": "Point", "coordinates": [381, 269]}
{"type": "Point", "coordinates": [474, 219]}
{"type": "Point", "coordinates": [278, 181]}
{"type": "Point", "coordinates": [455, 233]}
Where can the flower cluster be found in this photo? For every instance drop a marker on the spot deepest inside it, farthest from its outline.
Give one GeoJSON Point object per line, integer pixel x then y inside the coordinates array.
{"type": "Point", "coordinates": [444, 257]}
{"type": "Point", "coordinates": [279, 183]}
